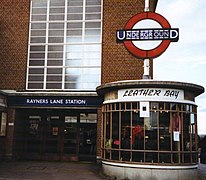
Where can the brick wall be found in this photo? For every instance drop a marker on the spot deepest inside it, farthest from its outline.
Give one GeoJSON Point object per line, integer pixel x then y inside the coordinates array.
{"type": "Point", "coordinates": [14, 29]}
{"type": "Point", "coordinates": [99, 132]}
{"type": "Point", "coordinates": [117, 62]}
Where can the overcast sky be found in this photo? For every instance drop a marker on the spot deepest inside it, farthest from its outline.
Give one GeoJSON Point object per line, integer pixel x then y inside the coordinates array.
{"type": "Point", "coordinates": [185, 60]}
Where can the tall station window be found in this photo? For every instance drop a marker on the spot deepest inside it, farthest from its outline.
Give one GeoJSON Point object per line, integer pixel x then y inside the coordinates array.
{"type": "Point", "coordinates": [64, 45]}
{"type": "Point", "coordinates": [168, 135]}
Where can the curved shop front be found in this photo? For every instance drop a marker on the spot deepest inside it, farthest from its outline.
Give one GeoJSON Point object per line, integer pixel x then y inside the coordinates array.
{"type": "Point", "coordinates": [149, 128]}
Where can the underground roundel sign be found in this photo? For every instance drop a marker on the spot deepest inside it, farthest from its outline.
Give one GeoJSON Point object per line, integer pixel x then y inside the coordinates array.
{"type": "Point", "coordinates": [143, 41]}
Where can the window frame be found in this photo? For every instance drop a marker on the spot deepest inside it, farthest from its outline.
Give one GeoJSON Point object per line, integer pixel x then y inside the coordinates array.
{"type": "Point", "coordinates": [41, 58]}
{"type": "Point", "coordinates": [184, 151]}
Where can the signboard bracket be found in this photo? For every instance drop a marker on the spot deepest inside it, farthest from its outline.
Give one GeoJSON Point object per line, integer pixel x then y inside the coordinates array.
{"type": "Point", "coordinates": [146, 69]}
{"type": "Point", "coordinates": [146, 9]}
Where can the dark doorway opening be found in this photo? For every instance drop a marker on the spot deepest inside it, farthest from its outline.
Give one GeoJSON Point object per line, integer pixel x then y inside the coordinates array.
{"type": "Point", "coordinates": [51, 134]}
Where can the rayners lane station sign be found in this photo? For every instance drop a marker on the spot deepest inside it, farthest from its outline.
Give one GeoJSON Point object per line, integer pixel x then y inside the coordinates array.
{"type": "Point", "coordinates": [130, 34]}
{"type": "Point", "coordinates": [54, 101]}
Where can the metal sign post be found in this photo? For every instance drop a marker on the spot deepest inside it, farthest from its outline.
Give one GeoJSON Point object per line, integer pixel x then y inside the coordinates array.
{"type": "Point", "coordinates": [146, 61]}
{"type": "Point", "coordinates": [146, 69]}
{"type": "Point", "coordinates": [146, 9]}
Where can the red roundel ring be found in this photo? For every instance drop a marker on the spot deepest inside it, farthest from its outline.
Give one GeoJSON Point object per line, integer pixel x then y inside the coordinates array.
{"type": "Point", "coordinates": [153, 53]}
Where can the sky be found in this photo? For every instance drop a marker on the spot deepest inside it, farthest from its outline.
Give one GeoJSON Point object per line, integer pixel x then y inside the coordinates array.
{"type": "Point", "coordinates": [185, 60]}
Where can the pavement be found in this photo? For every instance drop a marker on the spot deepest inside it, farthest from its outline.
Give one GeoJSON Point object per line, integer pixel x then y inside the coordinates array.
{"type": "Point", "coordinates": [41, 170]}
{"type": "Point", "coordinates": [201, 171]}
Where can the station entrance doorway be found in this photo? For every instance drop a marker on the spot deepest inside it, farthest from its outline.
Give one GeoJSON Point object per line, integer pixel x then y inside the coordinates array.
{"type": "Point", "coordinates": [46, 134]}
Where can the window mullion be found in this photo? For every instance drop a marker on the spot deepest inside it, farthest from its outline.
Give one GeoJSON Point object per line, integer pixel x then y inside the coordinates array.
{"type": "Point", "coordinates": [120, 125]}
{"type": "Point", "coordinates": [110, 131]}
{"type": "Point", "coordinates": [29, 44]}
{"type": "Point", "coordinates": [158, 135]}
{"type": "Point", "coordinates": [64, 49]}
{"type": "Point", "coordinates": [46, 46]}
{"type": "Point", "coordinates": [83, 21]}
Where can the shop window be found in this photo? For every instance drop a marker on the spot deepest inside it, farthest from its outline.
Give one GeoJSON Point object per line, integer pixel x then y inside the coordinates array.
{"type": "Point", "coordinates": [151, 137]}
{"type": "Point", "coordinates": [122, 106]}
{"type": "Point", "coordinates": [128, 105]}
{"type": "Point", "coordinates": [115, 135]}
{"type": "Point", "coordinates": [108, 135]}
{"type": "Point", "coordinates": [168, 135]}
{"type": "Point", "coordinates": [104, 125]}
{"type": "Point", "coordinates": [34, 125]}
{"type": "Point", "coordinates": [137, 137]}
{"type": "Point", "coordinates": [87, 139]}
{"type": "Point", "coordinates": [3, 122]}
{"type": "Point", "coordinates": [34, 133]}
{"type": "Point", "coordinates": [70, 134]}
{"type": "Point", "coordinates": [135, 106]}
{"type": "Point", "coordinates": [125, 131]}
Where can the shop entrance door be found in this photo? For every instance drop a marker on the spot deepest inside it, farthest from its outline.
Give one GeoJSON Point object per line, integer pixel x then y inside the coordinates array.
{"type": "Point", "coordinates": [51, 137]}
{"type": "Point", "coordinates": [56, 135]}
{"type": "Point", "coordinates": [70, 138]}
{"type": "Point", "coordinates": [87, 136]}
{"type": "Point", "coordinates": [61, 140]}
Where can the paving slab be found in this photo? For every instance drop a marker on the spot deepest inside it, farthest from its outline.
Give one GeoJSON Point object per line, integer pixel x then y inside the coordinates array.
{"type": "Point", "coordinates": [30, 170]}
{"type": "Point", "coordinates": [41, 170]}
